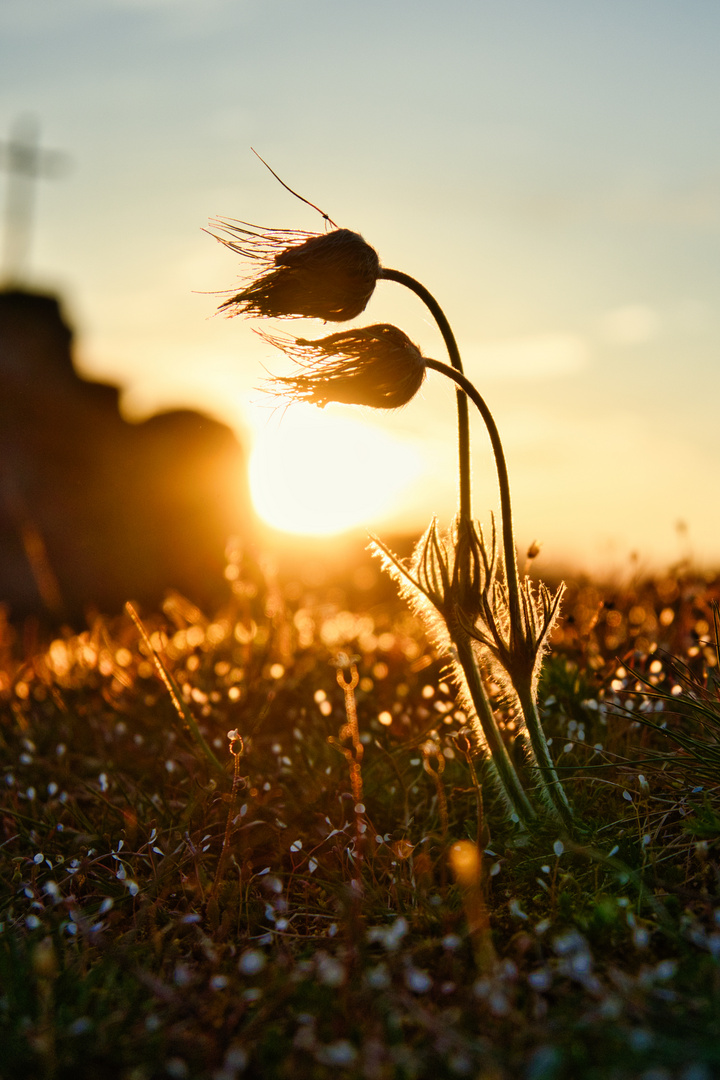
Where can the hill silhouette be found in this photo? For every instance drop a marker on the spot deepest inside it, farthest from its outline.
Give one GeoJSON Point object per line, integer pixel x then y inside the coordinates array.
{"type": "Point", "coordinates": [94, 510]}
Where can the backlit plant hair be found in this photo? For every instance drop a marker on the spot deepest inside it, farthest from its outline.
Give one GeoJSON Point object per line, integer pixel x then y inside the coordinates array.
{"type": "Point", "coordinates": [468, 591]}
{"type": "Point", "coordinates": [376, 366]}
{"type": "Point", "coordinates": [329, 276]}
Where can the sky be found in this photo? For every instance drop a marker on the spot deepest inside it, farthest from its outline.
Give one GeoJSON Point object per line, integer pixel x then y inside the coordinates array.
{"type": "Point", "coordinates": [549, 169]}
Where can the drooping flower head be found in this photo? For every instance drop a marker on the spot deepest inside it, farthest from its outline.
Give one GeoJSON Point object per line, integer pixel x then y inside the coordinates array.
{"type": "Point", "coordinates": [378, 366]}
{"type": "Point", "coordinates": [329, 276]}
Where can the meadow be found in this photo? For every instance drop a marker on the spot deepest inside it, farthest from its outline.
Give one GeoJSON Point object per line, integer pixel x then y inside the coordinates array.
{"type": "Point", "coordinates": [263, 842]}
{"type": "Point", "coordinates": [467, 832]}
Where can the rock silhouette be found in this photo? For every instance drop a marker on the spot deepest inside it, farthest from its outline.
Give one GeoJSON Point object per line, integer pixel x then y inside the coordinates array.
{"type": "Point", "coordinates": [95, 511]}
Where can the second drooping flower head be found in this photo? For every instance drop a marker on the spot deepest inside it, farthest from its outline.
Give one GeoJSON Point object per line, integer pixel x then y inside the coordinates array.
{"type": "Point", "coordinates": [377, 366]}
{"type": "Point", "coordinates": [329, 276]}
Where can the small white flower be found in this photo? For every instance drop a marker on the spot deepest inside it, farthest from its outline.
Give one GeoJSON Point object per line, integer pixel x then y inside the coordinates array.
{"type": "Point", "coordinates": [338, 1053]}
{"type": "Point", "coordinates": [540, 979]}
{"type": "Point", "coordinates": [378, 977]}
{"type": "Point", "coordinates": [389, 936]}
{"type": "Point", "coordinates": [641, 937]}
{"type": "Point", "coordinates": [182, 975]}
{"type": "Point", "coordinates": [251, 962]}
{"type": "Point", "coordinates": [419, 982]}
{"type": "Point", "coordinates": [236, 1058]}
{"type": "Point", "coordinates": [330, 971]}
{"type": "Point", "coordinates": [81, 1026]}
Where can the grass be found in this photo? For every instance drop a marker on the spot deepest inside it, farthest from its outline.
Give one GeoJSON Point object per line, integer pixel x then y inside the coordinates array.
{"type": "Point", "coordinates": [172, 910]}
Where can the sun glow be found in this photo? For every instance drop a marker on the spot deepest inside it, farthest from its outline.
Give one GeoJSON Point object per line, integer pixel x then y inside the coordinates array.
{"type": "Point", "coordinates": [319, 473]}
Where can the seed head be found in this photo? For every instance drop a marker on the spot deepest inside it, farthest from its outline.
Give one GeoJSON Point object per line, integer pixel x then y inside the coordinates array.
{"type": "Point", "coordinates": [329, 276]}
{"type": "Point", "coordinates": [374, 365]}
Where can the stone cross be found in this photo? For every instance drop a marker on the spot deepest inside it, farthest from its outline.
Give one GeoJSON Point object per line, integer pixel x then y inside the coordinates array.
{"type": "Point", "coordinates": [24, 161]}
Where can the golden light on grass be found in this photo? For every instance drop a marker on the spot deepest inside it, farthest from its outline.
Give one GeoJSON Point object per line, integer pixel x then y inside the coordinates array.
{"type": "Point", "coordinates": [315, 472]}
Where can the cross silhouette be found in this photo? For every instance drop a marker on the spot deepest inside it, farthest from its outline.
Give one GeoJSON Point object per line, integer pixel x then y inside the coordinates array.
{"type": "Point", "coordinates": [24, 162]}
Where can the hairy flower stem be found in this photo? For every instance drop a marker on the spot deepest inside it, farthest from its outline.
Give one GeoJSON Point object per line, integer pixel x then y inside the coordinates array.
{"type": "Point", "coordinates": [501, 759]}
{"type": "Point", "coordinates": [548, 778]}
{"type": "Point", "coordinates": [467, 390]}
{"type": "Point", "coordinates": [549, 782]}
{"type": "Point", "coordinates": [511, 571]}
{"type": "Point", "coordinates": [465, 502]}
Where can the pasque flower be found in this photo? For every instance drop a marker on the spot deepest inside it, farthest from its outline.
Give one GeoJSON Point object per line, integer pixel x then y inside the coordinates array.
{"type": "Point", "coordinates": [328, 276]}
{"type": "Point", "coordinates": [483, 619]}
{"type": "Point", "coordinates": [444, 582]}
{"type": "Point", "coordinates": [378, 366]}
{"type": "Point", "coordinates": [474, 609]}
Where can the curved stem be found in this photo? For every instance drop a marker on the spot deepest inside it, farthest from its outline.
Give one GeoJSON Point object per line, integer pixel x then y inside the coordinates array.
{"type": "Point", "coordinates": [550, 783]}
{"type": "Point", "coordinates": [511, 571]}
{"type": "Point", "coordinates": [500, 758]}
{"type": "Point", "coordinates": [454, 353]}
{"type": "Point", "coordinates": [548, 778]}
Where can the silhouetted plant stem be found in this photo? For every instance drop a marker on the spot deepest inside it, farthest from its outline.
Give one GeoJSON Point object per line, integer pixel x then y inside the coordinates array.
{"type": "Point", "coordinates": [549, 781]}
{"type": "Point", "coordinates": [498, 751]}
{"type": "Point", "coordinates": [511, 571]}
{"type": "Point", "coordinates": [465, 501]}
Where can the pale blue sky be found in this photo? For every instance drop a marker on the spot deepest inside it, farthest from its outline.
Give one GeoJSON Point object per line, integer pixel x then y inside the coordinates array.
{"type": "Point", "coordinates": [551, 170]}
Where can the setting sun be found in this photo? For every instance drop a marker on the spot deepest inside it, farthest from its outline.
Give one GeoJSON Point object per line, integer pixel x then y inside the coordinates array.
{"type": "Point", "coordinates": [315, 472]}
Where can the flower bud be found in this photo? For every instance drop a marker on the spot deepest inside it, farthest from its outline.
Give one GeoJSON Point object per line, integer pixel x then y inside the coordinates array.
{"type": "Point", "coordinates": [329, 276]}
{"type": "Point", "coordinates": [376, 366]}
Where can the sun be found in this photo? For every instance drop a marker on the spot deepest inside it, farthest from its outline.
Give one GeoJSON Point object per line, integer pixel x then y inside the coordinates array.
{"type": "Point", "coordinates": [316, 472]}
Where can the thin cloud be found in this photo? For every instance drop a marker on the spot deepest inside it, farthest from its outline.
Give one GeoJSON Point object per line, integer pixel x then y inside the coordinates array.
{"type": "Point", "coordinates": [696, 205]}
{"type": "Point", "coordinates": [537, 356]}
{"type": "Point", "coordinates": [630, 324]}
